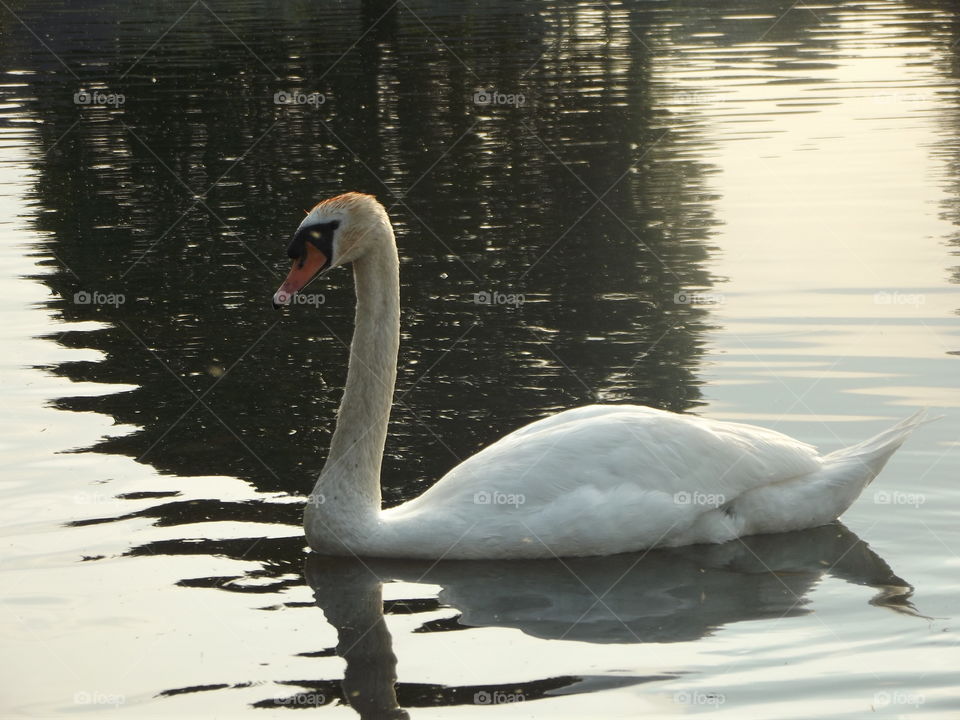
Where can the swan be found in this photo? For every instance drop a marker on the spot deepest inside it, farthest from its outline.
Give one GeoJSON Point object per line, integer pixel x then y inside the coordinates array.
{"type": "Point", "coordinates": [590, 481]}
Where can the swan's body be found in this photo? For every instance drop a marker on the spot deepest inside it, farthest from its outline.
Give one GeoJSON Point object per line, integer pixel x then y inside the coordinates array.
{"type": "Point", "coordinates": [594, 480]}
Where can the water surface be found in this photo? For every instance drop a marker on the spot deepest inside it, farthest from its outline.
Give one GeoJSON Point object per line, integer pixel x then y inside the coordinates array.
{"type": "Point", "coordinates": [745, 210]}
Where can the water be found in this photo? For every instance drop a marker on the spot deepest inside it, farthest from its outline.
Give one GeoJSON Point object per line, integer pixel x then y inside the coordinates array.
{"type": "Point", "coordinates": [745, 209]}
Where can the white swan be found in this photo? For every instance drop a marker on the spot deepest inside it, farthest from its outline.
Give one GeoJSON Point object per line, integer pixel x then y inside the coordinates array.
{"type": "Point", "coordinates": [594, 480]}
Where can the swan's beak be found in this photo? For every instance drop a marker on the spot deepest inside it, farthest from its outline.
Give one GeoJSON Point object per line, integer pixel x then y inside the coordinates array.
{"type": "Point", "coordinates": [304, 269]}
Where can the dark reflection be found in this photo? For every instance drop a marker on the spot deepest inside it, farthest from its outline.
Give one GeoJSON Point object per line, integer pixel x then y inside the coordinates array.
{"type": "Point", "coordinates": [586, 201]}
{"type": "Point", "coordinates": [664, 596]}
{"type": "Point", "coordinates": [949, 149]}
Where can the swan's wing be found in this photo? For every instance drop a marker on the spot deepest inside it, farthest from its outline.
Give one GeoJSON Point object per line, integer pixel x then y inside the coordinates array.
{"type": "Point", "coordinates": [622, 448]}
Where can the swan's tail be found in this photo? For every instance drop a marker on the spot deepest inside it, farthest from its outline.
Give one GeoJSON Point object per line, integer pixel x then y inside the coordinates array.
{"type": "Point", "coordinates": [821, 497]}
{"type": "Point", "coordinates": [873, 454]}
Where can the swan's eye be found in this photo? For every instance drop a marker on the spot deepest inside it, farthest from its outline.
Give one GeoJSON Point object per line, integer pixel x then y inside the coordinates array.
{"type": "Point", "coordinates": [320, 235]}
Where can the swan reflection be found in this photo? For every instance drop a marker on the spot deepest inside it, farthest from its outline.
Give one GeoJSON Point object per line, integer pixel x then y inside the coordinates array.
{"type": "Point", "coordinates": [663, 596]}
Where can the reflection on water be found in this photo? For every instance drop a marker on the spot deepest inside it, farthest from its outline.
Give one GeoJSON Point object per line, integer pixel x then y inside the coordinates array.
{"type": "Point", "coordinates": [664, 596]}
{"type": "Point", "coordinates": [584, 202]}
{"type": "Point", "coordinates": [605, 214]}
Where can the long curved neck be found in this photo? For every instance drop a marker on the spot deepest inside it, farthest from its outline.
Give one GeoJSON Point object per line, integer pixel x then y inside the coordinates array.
{"type": "Point", "coordinates": [346, 498]}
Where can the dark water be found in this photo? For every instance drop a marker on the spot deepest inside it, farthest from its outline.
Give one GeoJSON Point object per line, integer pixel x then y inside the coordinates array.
{"type": "Point", "coordinates": [744, 209]}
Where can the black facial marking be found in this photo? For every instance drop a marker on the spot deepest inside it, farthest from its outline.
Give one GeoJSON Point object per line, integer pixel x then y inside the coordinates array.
{"type": "Point", "coordinates": [320, 235]}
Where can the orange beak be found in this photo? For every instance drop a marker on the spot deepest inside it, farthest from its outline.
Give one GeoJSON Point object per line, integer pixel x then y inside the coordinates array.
{"type": "Point", "coordinates": [304, 269]}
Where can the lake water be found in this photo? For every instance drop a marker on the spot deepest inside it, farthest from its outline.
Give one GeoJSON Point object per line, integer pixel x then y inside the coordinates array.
{"type": "Point", "coordinates": [744, 209]}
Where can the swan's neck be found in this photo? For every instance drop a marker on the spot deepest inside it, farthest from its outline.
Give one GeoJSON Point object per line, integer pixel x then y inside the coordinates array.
{"type": "Point", "coordinates": [345, 502]}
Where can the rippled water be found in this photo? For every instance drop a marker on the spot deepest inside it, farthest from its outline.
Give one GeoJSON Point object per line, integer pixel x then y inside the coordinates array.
{"type": "Point", "coordinates": [744, 209]}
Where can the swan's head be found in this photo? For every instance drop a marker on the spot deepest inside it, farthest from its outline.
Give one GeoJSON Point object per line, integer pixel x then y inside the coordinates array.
{"type": "Point", "coordinates": [336, 232]}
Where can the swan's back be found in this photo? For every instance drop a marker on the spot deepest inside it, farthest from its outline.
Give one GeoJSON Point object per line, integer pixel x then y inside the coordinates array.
{"type": "Point", "coordinates": [605, 446]}
{"type": "Point", "coordinates": [597, 480]}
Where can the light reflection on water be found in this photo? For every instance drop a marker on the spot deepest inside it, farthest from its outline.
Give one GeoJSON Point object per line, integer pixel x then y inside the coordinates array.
{"type": "Point", "coordinates": [738, 211]}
